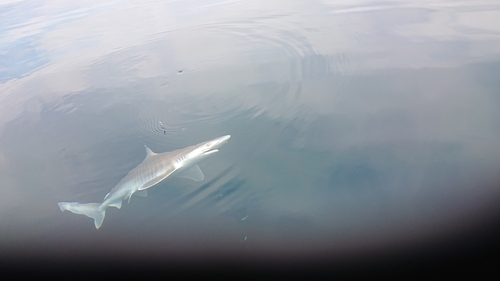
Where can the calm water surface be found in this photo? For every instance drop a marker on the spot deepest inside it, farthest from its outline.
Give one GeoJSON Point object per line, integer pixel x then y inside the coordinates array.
{"type": "Point", "coordinates": [357, 126]}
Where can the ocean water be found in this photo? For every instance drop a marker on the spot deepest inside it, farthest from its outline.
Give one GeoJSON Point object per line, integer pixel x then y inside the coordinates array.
{"type": "Point", "coordinates": [359, 128]}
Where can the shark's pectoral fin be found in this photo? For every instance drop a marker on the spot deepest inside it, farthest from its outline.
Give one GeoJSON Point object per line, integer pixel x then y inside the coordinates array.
{"type": "Point", "coordinates": [194, 172]}
{"type": "Point", "coordinates": [142, 193]}
{"type": "Point", "coordinates": [157, 180]}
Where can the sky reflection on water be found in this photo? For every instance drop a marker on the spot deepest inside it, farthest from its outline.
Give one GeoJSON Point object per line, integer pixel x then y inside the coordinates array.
{"type": "Point", "coordinates": [355, 127]}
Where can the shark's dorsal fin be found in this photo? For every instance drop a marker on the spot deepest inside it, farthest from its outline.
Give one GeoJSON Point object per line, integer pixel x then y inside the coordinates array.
{"type": "Point", "coordinates": [194, 172]}
{"type": "Point", "coordinates": [149, 152]}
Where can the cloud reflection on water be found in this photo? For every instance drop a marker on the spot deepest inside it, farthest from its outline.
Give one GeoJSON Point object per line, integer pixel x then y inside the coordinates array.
{"type": "Point", "coordinates": [338, 113]}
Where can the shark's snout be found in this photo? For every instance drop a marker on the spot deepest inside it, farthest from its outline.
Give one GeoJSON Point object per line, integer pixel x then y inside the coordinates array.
{"type": "Point", "coordinates": [224, 138]}
{"type": "Point", "coordinates": [211, 146]}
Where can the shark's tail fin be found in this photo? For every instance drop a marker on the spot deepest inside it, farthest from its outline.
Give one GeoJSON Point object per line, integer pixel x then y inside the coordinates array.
{"type": "Point", "coordinates": [91, 210]}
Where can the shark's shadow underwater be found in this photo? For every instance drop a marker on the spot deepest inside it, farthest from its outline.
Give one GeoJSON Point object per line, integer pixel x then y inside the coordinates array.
{"type": "Point", "coordinates": [153, 170]}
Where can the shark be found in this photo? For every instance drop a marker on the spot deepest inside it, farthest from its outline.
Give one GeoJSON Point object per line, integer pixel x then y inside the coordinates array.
{"type": "Point", "coordinates": [155, 168]}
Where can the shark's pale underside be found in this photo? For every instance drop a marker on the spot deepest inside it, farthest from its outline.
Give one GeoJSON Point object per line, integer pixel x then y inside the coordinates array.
{"type": "Point", "coordinates": [154, 169]}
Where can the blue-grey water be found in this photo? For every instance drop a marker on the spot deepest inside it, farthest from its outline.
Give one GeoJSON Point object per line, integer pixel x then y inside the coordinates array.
{"type": "Point", "coordinates": [358, 127]}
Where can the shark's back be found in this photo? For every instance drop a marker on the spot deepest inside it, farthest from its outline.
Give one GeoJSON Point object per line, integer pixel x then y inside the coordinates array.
{"type": "Point", "coordinates": [153, 169]}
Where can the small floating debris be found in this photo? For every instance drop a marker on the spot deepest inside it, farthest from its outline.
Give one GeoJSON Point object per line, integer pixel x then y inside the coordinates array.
{"type": "Point", "coordinates": [180, 71]}
{"type": "Point", "coordinates": [163, 128]}
{"type": "Point", "coordinates": [245, 239]}
{"type": "Point", "coordinates": [244, 218]}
